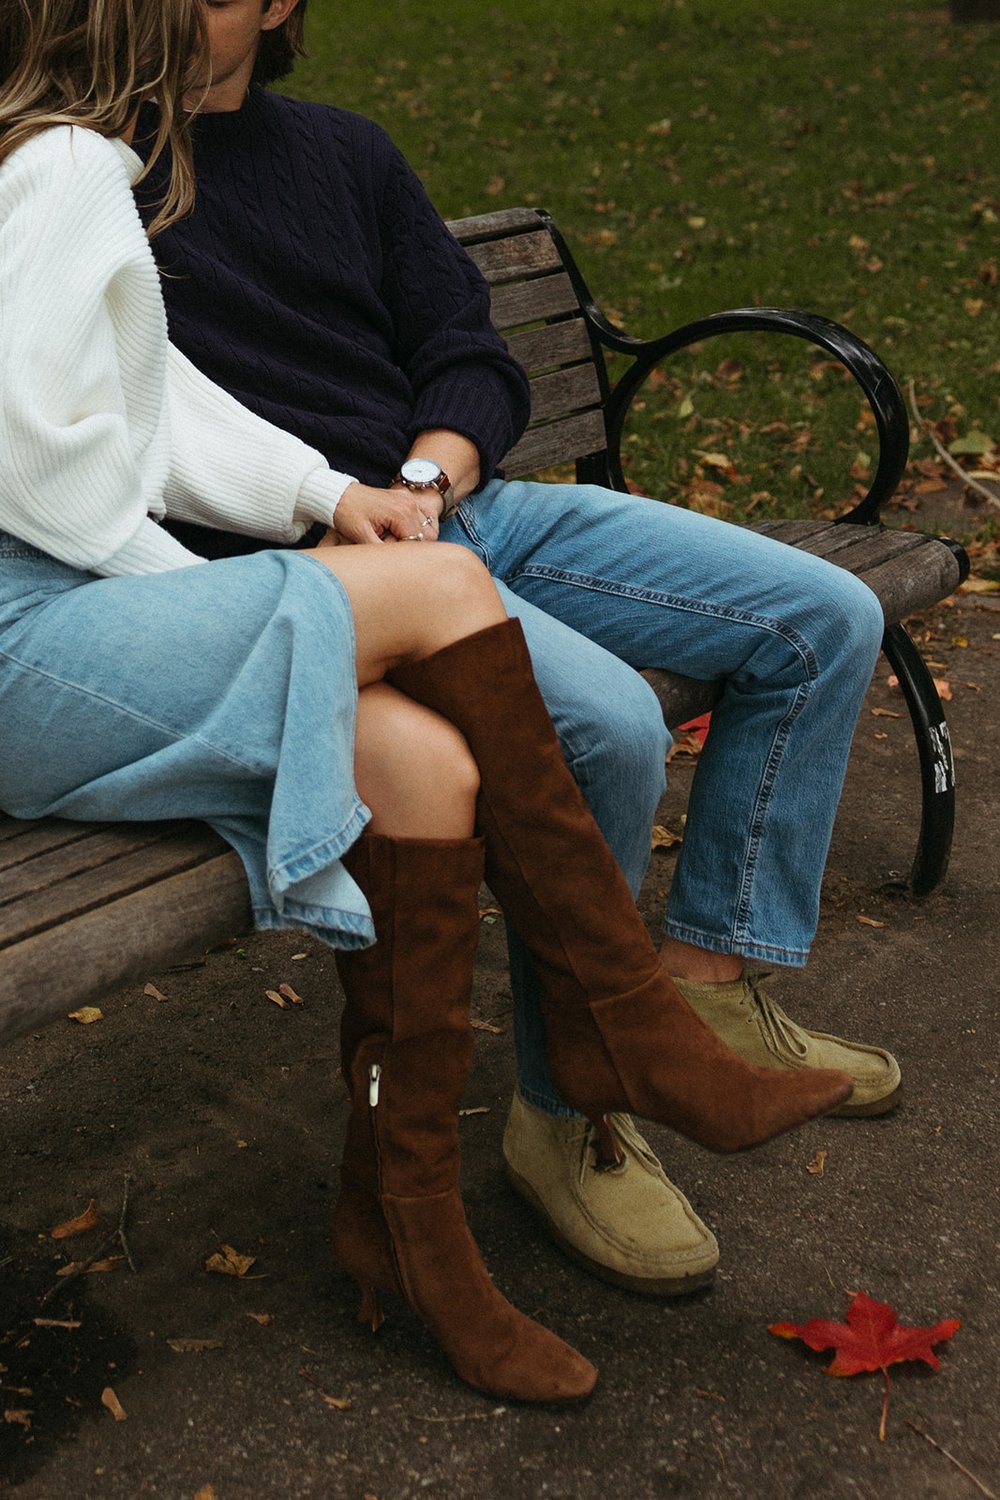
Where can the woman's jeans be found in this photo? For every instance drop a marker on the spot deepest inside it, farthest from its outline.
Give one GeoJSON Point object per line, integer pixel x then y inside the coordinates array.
{"type": "Point", "coordinates": [604, 583]}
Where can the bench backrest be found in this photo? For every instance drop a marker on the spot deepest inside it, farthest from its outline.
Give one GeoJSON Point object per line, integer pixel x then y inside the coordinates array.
{"type": "Point", "coordinates": [537, 307]}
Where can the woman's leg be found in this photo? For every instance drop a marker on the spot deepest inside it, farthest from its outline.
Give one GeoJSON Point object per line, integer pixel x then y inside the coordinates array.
{"type": "Point", "coordinates": [412, 768]}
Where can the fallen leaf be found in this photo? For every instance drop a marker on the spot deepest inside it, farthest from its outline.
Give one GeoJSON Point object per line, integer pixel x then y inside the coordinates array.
{"type": "Point", "coordinates": [868, 921]}
{"type": "Point", "coordinates": [478, 1025]}
{"type": "Point", "coordinates": [278, 1000]}
{"type": "Point", "coordinates": [662, 838]}
{"type": "Point", "coordinates": [229, 1262]}
{"type": "Point", "coordinates": [19, 1415]}
{"type": "Point", "coordinates": [495, 186]}
{"type": "Point", "coordinates": [885, 713]}
{"type": "Point", "coordinates": [339, 1402]}
{"type": "Point", "coordinates": [207, 1492]}
{"type": "Point", "coordinates": [298, 957]}
{"type": "Point", "coordinates": [193, 1346]}
{"type": "Point", "coordinates": [480, 1109]}
{"type": "Point", "coordinates": [153, 992]}
{"type": "Point", "coordinates": [818, 1164]}
{"type": "Point", "coordinates": [57, 1323]}
{"type": "Point", "coordinates": [86, 1015]}
{"type": "Point", "coordinates": [871, 1339]}
{"type": "Point", "coordinates": [944, 689]}
{"type": "Point", "coordinates": [114, 1406]}
{"type": "Point", "coordinates": [87, 1220]}
{"type": "Point", "coordinates": [91, 1268]}
{"type": "Point", "coordinates": [980, 586]}
{"type": "Point", "coordinates": [264, 1319]}
{"type": "Point", "coordinates": [289, 994]}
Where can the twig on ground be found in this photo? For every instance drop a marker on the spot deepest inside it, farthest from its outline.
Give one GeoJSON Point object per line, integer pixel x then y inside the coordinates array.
{"type": "Point", "coordinates": [118, 1235]}
{"type": "Point", "coordinates": [973, 484]}
{"type": "Point", "coordinates": [982, 1488]}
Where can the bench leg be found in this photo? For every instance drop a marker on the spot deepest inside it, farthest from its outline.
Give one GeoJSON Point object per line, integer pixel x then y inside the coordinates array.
{"type": "Point", "coordinates": [937, 768]}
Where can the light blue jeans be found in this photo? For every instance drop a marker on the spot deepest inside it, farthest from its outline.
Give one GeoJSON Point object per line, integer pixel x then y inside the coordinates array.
{"type": "Point", "coordinates": [604, 583]}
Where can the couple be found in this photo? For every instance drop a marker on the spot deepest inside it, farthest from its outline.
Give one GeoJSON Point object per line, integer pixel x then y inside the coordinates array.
{"type": "Point", "coordinates": [368, 768]}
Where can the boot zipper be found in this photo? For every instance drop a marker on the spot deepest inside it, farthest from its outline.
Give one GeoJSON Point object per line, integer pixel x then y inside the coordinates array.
{"type": "Point", "coordinates": [374, 1074]}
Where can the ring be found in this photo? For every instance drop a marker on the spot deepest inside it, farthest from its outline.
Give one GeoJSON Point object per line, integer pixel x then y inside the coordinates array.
{"type": "Point", "coordinates": [427, 521]}
{"type": "Point", "coordinates": [418, 538]}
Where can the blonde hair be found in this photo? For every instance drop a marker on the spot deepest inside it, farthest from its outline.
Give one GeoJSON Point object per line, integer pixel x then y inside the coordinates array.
{"type": "Point", "coordinates": [93, 63]}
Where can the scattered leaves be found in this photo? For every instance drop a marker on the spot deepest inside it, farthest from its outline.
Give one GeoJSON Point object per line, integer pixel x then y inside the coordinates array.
{"type": "Point", "coordinates": [90, 1268]}
{"type": "Point", "coordinates": [289, 994]}
{"type": "Point", "coordinates": [86, 1015]}
{"type": "Point", "coordinates": [19, 1415]}
{"type": "Point", "coordinates": [87, 1220]}
{"type": "Point", "coordinates": [193, 1346]}
{"type": "Point", "coordinates": [277, 999]}
{"type": "Point", "coordinates": [229, 1262]}
{"type": "Point", "coordinates": [114, 1406]}
{"type": "Point", "coordinates": [871, 1339]}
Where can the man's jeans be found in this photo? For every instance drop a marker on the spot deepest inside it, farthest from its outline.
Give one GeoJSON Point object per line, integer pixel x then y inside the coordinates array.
{"type": "Point", "coordinates": [794, 640]}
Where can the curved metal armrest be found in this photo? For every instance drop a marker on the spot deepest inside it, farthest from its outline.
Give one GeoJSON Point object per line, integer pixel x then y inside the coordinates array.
{"type": "Point", "coordinates": [875, 379]}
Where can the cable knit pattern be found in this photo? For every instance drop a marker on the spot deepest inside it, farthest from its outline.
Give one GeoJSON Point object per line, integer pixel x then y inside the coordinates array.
{"type": "Point", "coordinates": [103, 429]}
{"type": "Point", "coordinates": [317, 284]}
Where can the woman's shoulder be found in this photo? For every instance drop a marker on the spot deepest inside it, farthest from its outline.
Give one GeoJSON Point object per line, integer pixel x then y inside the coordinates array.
{"type": "Point", "coordinates": [70, 154]}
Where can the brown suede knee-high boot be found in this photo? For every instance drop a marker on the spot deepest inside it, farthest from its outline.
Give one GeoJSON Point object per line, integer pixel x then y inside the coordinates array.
{"type": "Point", "coordinates": [620, 1034]}
{"type": "Point", "coordinates": [399, 1225]}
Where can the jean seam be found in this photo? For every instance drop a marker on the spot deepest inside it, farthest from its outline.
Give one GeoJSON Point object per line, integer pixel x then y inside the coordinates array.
{"type": "Point", "coordinates": [175, 736]}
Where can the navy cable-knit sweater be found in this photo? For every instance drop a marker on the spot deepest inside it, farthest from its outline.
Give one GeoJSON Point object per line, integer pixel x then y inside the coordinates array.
{"type": "Point", "coordinates": [317, 284]}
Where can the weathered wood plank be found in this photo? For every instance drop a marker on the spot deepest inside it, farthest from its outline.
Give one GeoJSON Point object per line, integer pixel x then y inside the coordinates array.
{"type": "Point", "coordinates": [562, 392]}
{"type": "Point", "coordinates": [555, 344]}
{"type": "Point", "coordinates": [517, 257]}
{"type": "Point", "coordinates": [491, 226]}
{"type": "Point", "coordinates": [63, 862]}
{"type": "Point", "coordinates": [522, 302]}
{"type": "Point", "coordinates": [65, 966]}
{"type": "Point", "coordinates": [556, 443]}
{"type": "Point", "coordinates": [179, 850]}
{"type": "Point", "coordinates": [30, 839]}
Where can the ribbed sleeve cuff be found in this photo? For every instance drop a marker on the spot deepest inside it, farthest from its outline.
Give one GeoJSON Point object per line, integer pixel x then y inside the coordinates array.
{"type": "Point", "coordinates": [319, 495]}
{"type": "Point", "coordinates": [478, 409]}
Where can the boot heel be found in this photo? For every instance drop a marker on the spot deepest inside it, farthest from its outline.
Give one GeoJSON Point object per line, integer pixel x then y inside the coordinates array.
{"type": "Point", "coordinates": [370, 1313]}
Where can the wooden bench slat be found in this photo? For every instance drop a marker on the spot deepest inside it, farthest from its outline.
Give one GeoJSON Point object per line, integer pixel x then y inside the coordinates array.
{"type": "Point", "coordinates": [28, 839]}
{"type": "Point", "coordinates": [512, 259]}
{"type": "Point", "coordinates": [65, 966]}
{"type": "Point", "coordinates": [67, 860]}
{"type": "Point", "coordinates": [529, 301]}
{"type": "Point", "coordinates": [556, 443]}
{"type": "Point", "coordinates": [180, 848]}
{"type": "Point", "coordinates": [563, 392]}
{"type": "Point", "coordinates": [555, 344]}
{"type": "Point", "coordinates": [491, 226]}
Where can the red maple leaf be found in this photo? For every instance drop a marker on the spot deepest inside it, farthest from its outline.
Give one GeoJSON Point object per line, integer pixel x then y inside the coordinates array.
{"type": "Point", "coordinates": [871, 1339]}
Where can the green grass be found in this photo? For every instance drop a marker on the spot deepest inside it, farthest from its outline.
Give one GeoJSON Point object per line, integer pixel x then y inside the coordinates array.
{"type": "Point", "coordinates": [702, 154]}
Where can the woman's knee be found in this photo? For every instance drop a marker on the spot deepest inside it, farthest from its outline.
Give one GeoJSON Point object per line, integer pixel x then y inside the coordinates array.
{"type": "Point", "coordinates": [413, 768]}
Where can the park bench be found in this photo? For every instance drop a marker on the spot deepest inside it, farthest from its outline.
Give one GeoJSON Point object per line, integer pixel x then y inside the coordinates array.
{"type": "Point", "coordinates": [86, 907]}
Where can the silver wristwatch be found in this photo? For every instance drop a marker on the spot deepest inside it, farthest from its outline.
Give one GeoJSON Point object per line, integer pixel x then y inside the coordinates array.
{"type": "Point", "coordinates": [424, 474]}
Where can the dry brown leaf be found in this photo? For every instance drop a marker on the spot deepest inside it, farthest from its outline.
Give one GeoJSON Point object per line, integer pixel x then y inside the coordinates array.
{"type": "Point", "coordinates": [229, 1262]}
{"type": "Point", "coordinates": [340, 1403]}
{"type": "Point", "coordinates": [662, 838]}
{"type": "Point", "coordinates": [19, 1415]}
{"type": "Point", "coordinates": [944, 689]}
{"type": "Point", "coordinates": [264, 1319]}
{"type": "Point", "coordinates": [495, 186]}
{"type": "Point", "coordinates": [94, 1268]}
{"type": "Point", "coordinates": [207, 1492]}
{"type": "Point", "coordinates": [480, 1109]}
{"type": "Point", "coordinates": [114, 1406]}
{"type": "Point", "coordinates": [297, 958]}
{"type": "Point", "coordinates": [818, 1164]}
{"type": "Point", "coordinates": [885, 713]}
{"type": "Point", "coordinates": [87, 1220]}
{"type": "Point", "coordinates": [193, 1346]}
{"type": "Point", "coordinates": [868, 921]}
{"type": "Point", "coordinates": [57, 1322]}
{"type": "Point", "coordinates": [153, 992]}
{"type": "Point", "coordinates": [289, 994]}
{"type": "Point", "coordinates": [478, 1025]}
{"type": "Point", "coordinates": [278, 1000]}
{"type": "Point", "coordinates": [86, 1015]}
{"type": "Point", "coordinates": [980, 586]}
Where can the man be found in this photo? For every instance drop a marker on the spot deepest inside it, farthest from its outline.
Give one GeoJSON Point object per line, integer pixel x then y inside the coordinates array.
{"type": "Point", "coordinates": [316, 283]}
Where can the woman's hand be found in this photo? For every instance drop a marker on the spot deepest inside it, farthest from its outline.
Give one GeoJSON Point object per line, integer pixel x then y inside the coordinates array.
{"type": "Point", "coordinates": [367, 514]}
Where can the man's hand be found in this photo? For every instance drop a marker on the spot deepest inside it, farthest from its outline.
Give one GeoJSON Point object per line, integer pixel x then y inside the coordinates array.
{"type": "Point", "coordinates": [366, 514]}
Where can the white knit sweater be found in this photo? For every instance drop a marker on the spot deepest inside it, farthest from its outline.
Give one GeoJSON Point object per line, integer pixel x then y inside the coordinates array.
{"type": "Point", "coordinates": [104, 426]}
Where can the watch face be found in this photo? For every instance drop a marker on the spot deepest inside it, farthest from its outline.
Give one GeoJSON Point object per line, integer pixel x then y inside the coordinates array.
{"type": "Point", "coordinates": [421, 470]}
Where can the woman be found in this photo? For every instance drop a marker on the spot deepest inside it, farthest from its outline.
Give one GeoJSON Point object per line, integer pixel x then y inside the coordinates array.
{"type": "Point", "coordinates": [137, 681]}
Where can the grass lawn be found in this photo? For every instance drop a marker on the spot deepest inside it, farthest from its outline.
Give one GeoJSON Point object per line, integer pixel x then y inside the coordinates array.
{"type": "Point", "coordinates": [703, 154]}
